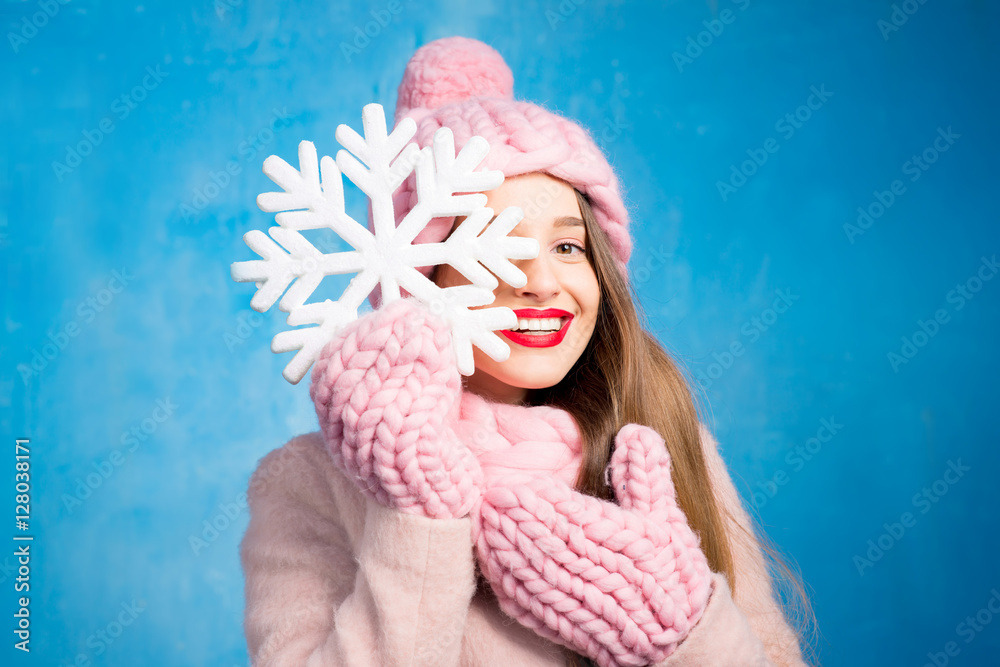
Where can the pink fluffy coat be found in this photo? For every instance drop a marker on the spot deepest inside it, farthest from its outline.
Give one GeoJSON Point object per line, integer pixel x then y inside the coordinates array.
{"type": "Point", "coordinates": [335, 578]}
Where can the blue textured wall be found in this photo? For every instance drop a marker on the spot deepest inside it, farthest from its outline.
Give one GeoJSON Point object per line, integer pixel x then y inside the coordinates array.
{"type": "Point", "coordinates": [154, 375]}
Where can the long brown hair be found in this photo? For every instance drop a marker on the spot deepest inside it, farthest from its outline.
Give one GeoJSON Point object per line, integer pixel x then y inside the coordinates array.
{"type": "Point", "coordinates": [625, 376]}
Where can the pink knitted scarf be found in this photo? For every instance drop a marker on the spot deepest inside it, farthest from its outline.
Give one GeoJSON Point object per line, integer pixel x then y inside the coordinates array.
{"type": "Point", "coordinates": [516, 438]}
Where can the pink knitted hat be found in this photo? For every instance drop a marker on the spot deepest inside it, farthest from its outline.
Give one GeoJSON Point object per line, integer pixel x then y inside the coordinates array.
{"type": "Point", "coordinates": [465, 85]}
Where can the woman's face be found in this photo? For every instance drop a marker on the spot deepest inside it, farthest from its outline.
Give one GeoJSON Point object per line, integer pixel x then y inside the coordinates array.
{"type": "Point", "coordinates": [556, 308]}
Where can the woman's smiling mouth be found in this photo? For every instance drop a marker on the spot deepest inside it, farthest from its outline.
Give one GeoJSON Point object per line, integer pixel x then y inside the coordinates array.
{"type": "Point", "coordinates": [539, 328]}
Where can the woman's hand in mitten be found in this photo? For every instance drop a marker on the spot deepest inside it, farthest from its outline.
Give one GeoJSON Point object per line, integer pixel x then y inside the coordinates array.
{"type": "Point", "coordinates": [622, 584]}
{"type": "Point", "coordinates": [386, 389]}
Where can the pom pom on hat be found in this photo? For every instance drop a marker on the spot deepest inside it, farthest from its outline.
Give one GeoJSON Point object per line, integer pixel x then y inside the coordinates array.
{"type": "Point", "coordinates": [453, 69]}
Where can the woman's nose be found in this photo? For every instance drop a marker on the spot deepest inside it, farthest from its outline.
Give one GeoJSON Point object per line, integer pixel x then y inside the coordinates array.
{"type": "Point", "coordinates": [542, 284]}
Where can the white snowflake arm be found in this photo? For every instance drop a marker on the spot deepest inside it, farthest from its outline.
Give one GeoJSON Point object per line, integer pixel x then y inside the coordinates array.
{"type": "Point", "coordinates": [378, 163]}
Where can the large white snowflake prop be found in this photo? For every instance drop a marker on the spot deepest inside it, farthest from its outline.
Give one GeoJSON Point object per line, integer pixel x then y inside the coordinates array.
{"type": "Point", "coordinates": [446, 185]}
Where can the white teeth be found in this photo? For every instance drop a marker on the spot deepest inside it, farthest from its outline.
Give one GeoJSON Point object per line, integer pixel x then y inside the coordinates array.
{"type": "Point", "coordinates": [545, 324]}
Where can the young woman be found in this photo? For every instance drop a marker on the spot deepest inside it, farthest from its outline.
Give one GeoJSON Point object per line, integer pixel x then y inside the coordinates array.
{"type": "Point", "coordinates": [570, 488]}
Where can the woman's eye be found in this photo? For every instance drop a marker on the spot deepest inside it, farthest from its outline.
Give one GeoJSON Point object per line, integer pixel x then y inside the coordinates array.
{"type": "Point", "coordinates": [567, 248]}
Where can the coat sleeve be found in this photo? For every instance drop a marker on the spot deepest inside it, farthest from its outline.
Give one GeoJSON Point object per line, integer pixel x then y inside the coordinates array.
{"type": "Point", "coordinates": [748, 628]}
{"type": "Point", "coordinates": [334, 578]}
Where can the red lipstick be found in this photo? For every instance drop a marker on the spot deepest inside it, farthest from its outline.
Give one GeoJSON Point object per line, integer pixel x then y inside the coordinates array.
{"type": "Point", "coordinates": [540, 340]}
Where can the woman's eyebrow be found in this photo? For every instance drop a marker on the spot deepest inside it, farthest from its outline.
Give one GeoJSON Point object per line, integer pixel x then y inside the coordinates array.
{"type": "Point", "coordinates": [563, 221]}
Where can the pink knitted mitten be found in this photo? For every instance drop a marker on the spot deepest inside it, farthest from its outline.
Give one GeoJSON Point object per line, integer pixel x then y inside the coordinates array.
{"type": "Point", "coordinates": [622, 584]}
{"type": "Point", "coordinates": [386, 390]}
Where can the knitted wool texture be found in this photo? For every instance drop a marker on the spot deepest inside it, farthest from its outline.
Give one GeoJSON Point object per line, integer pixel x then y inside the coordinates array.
{"type": "Point", "coordinates": [623, 584]}
{"type": "Point", "coordinates": [383, 389]}
{"type": "Point", "coordinates": [465, 85]}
